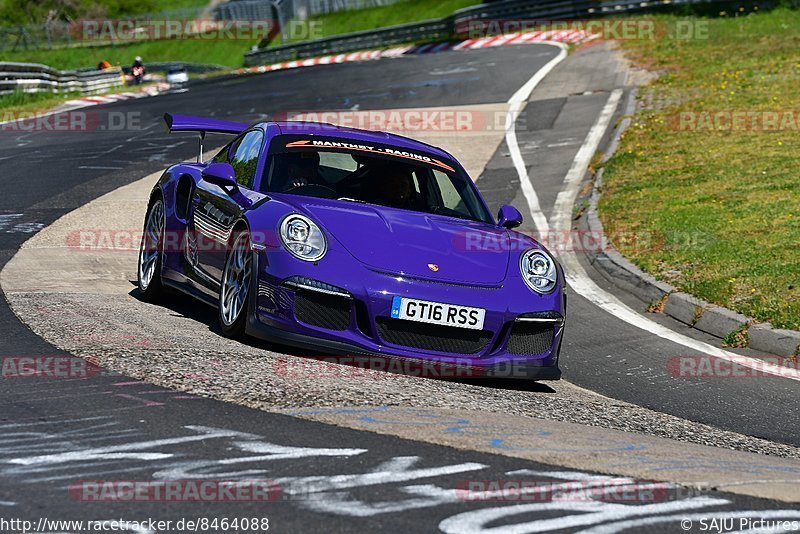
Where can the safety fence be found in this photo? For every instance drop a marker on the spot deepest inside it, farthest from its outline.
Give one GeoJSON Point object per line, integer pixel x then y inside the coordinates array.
{"type": "Point", "coordinates": [35, 78]}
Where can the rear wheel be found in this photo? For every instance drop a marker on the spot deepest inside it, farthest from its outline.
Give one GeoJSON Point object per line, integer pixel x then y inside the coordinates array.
{"type": "Point", "coordinates": [234, 291]}
{"type": "Point", "coordinates": [151, 253]}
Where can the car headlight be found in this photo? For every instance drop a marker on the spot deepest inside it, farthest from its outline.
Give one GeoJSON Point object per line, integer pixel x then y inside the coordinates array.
{"type": "Point", "coordinates": [538, 270]}
{"type": "Point", "coordinates": [302, 237]}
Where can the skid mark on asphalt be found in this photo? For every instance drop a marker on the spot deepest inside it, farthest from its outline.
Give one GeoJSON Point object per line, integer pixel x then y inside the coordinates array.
{"type": "Point", "coordinates": [13, 223]}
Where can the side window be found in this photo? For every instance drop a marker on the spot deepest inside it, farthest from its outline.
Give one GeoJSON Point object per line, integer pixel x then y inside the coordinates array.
{"type": "Point", "coordinates": [244, 157]}
{"type": "Point", "coordinates": [222, 155]}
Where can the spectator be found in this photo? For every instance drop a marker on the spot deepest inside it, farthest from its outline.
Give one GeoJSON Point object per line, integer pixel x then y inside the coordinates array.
{"type": "Point", "coordinates": [137, 69]}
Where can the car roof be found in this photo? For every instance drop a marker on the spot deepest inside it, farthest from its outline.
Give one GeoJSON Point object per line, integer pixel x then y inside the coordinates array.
{"type": "Point", "coordinates": [363, 136]}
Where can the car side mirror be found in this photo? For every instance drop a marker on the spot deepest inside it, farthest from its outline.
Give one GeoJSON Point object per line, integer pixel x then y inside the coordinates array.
{"type": "Point", "coordinates": [509, 217]}
{"type": "Point", "coordinates": [221, 174]}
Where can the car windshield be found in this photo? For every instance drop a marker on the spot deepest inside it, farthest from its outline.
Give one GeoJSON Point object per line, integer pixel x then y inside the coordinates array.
{"type": "Point", "coordinates": [371, 174]}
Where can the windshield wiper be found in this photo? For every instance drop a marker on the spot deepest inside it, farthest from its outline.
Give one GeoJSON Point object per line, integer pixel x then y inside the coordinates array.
{"type": "Point", "coordinates": [348, 199]}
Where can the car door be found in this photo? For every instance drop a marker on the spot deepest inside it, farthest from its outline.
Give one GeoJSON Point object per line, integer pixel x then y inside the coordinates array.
{"type": "Point", "coordinates": [215, 212]}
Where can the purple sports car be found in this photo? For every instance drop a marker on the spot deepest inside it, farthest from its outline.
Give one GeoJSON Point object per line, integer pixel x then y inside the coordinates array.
{"type": "Point", "coordinates": [352, 242]}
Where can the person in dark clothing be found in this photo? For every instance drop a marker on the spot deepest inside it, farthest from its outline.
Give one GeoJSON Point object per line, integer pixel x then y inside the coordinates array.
{"type": "Point", "coordinates": [137, 70]}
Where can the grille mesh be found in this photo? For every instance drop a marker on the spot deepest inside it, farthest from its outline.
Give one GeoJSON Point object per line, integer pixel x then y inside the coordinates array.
{"type": "Point", "coordinates": [432, 337]}
{"type": "Point", "coordinates": [324, 311]}
{"type": "Point", "coordinates": [530, 338]}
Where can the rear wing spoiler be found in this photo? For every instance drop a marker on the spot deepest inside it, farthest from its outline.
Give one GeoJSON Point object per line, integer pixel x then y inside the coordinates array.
{"type": "Point", "coordinates": [200, 125]}
{"type": "Point", "coordinates": [186, 123]}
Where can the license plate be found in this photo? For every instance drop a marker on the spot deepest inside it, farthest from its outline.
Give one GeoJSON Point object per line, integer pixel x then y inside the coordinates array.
{"type": "Point", "coordinates": [425, 311]}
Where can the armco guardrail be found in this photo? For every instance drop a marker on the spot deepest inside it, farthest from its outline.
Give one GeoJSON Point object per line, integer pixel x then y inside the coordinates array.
{"type": "Point", "coordinates": [35, 78]}
{"type": "Point", "coordinates": [447, 27]}
{"type": "Point", "coordinates": [429, 30]}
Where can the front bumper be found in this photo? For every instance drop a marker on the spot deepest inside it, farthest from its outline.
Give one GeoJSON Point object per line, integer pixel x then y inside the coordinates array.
{"type": "Point", "coordinates": [368, 331]}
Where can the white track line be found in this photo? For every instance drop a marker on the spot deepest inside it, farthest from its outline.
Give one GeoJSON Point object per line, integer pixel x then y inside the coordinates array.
{"type": "Point", "coordinates": [576, 276]}
{"type": "Point", "coordinates": [516, 103]}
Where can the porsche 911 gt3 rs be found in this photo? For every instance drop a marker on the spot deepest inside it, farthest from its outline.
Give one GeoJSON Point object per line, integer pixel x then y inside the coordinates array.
{"type": "Point", "coordinates": [347, 241]}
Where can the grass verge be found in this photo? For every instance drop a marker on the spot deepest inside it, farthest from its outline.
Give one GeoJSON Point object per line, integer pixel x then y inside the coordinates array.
{"type": "Point", "coordinates": [704, 203]}
{"type": "Point", "coordinates": [11, 105]}
{"type": "Point", "coordinates": [17, 102]}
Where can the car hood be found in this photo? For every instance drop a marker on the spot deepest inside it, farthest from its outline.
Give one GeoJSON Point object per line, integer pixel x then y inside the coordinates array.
{"type": "Point", "coordinates": [416, 244]}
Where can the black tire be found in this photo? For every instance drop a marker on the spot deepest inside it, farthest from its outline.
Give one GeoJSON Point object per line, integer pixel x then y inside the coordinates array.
{"type": "Point", "coordinates": [233, 301]}
{"type": "Point", "coordinates": [148, 273]}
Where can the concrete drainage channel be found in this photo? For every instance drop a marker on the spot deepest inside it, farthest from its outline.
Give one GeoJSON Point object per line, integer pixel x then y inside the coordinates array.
{"type": "Point", "coordinates": [71, 283]}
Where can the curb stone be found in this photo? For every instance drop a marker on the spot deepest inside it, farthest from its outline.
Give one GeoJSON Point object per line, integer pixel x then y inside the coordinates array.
{"type": "Point", "coordinates": [685, 308]}
{"type": "Point", "coordinates": [720, 322]}
{"type": "Point", "coordinates": [773, 340]}
{"type": "Point", "coordinates": [715, 320]}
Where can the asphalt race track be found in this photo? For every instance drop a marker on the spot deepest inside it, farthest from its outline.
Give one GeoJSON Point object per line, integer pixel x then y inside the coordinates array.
{"type": "Point", "coordinates": [57, 433]}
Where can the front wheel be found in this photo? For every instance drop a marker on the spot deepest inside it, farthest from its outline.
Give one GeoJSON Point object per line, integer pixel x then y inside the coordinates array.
{"type": "Point", "coordinates": [234, 291]}
{"type": "Point", "coordinates": [151, 253]}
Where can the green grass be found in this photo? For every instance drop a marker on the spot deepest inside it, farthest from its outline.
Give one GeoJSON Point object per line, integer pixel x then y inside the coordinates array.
{"type": "Point", "coordinates": [19, 101]}
{"type": "Point", "coordinates": [716, 213]}
{"type": "Point", "coordinates": [229, 53]}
